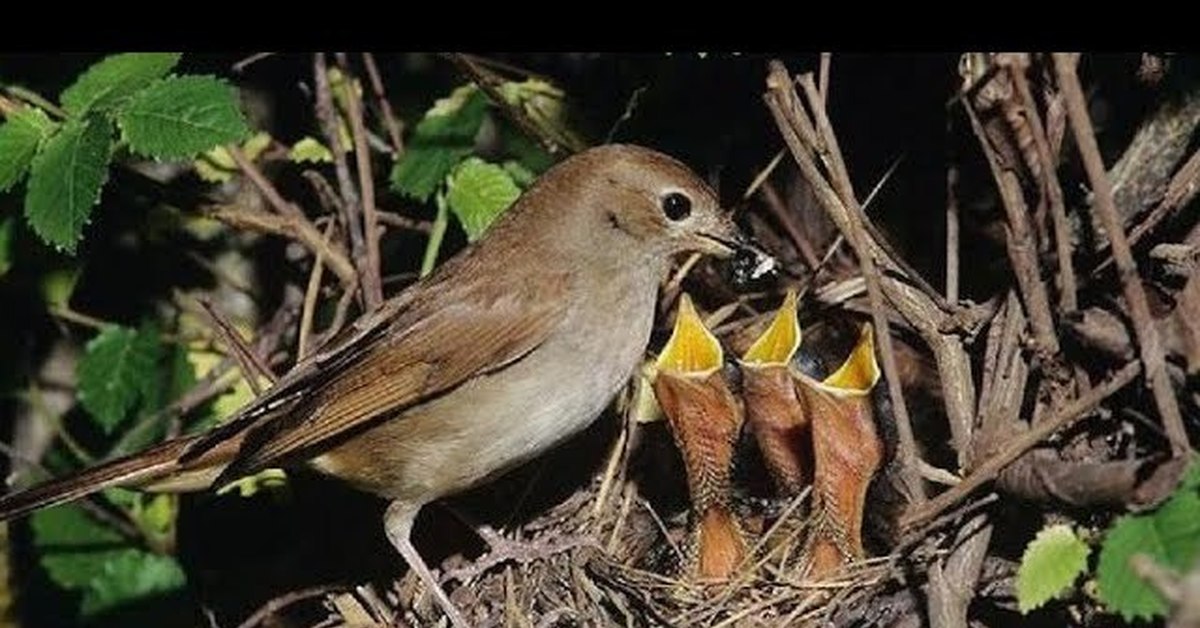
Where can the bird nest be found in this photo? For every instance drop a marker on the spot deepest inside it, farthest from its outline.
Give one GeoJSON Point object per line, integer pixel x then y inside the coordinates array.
{"type": "Point", "coordinates": [612, 554]}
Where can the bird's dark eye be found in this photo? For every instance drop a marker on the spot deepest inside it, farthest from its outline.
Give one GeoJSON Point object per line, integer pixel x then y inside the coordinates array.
{"type": "Point", "coordinates": [677, 206]}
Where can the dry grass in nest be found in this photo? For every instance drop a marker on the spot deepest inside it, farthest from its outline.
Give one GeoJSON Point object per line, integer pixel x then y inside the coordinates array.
{"type": "Point", "coordinates": [606, 557]}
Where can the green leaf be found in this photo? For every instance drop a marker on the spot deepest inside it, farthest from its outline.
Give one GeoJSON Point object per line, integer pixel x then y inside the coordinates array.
{"type": "Point", "coordinates": [217, 165]}
{"type": "Point", "coordinates": [72, 545]}
{"type": "Point", "coordinates": [20, 137]}
{"type": "Point", "coordinates": [443, 137]}
{"type": "Point", "coordinates": [182, 116]}
{"type": "Point", "coordinates": [65, 181]}
{"type": "Point", "coordinates": [1050, 565]}
{"type": "Point", "coordinates": [6, 229]}
{"type": "Point", "coordinates": [110, 81]}
{"type": "Point", "coordinates": [113, 373]}
{"type": "Point", "coordinates": [479, 193]}
{"type": "Point", "coordinates": [1169, 535]}
{"type": "Point", "coordinates": [311, 151]}
{"type": "Point", "coordinates": [81, 554]}
{"type": "Point", "coordinates": [130, 576]}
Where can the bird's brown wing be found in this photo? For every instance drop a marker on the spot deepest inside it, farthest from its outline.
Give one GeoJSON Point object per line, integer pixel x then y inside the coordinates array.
{"type": "Point", "coordinates": [439, 340]}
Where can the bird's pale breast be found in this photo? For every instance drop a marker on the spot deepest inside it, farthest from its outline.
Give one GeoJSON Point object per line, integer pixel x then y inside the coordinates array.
{"type": "Point", "coordinates": [495, 422]}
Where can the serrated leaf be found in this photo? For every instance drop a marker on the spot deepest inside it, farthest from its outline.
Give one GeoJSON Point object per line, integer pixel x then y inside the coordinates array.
{"type": "Point", "coordinates": [65, 181]}
{"type": "Point", "coordinates": [20, 137]}
{"type": "Point", "coordinates": [64, 535]}
{"type": "Point", "coordinates": [423, 168]}
{"type": "Point", "coordinates": [182, 116]}
{"type": "Point", "coordinates": [113, 371]}
{"type": "Point", "coordinates": [129, 576]}
{"type": "Point", "coordinates": [311, 151]}
{"type": "Point", "coordinates": [113, 79]}
{"type": "Point", "coordinates": [478, 193]}
{"type": "Point", "coordinates": [6, 229]}
{"type": "Point", "coordinates": [1050, 565]}
{"type": "Point", "coordinates": [82, 554]}
{"type": "Point", "coordinates": [1169, 535]}
{"type": "Point", "coordinates": [443, 137]}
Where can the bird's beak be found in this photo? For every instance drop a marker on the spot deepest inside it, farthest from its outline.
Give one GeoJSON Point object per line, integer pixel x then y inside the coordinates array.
{"type": "Point", "coordinates": [727, 242]}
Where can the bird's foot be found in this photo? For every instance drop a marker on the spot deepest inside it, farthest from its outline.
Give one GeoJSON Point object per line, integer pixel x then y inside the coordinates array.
{"type": "Point", "coordinates": [505, 550]}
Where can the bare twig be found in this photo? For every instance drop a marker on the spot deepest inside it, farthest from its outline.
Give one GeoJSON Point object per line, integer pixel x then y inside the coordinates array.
{"type": "Point", "coordinates": [246, 62]}
{"type": "Point", "coordinates": [385, 108]}
{"type": "Point", "coordinates": [260, 616]}
{"type": "Point", "coordinates": [857, 237]}
{"type": "Point", "coordinates": [1022, 248]}
{"type": "Point", "coordinates": [330, 125]}
{"type": "Point", "coordinates": [469, 66]}
{"type": "Point", "coordinates": [1131, 285]}
{"type": "Point", "coordinates": [310, 300]}
{"type": "Point", "coordinates": [952, 237]}
{"type": "Point", "coordinates": [1053, 189]}
{"type": "Point", "coordinates": [392, 219]}
{"type": "Point", "coordinates": [823, 77]}
{"type": "Point", "coordinates": [921, 311]}
{"type": "Point", "coordinates": [1018, 445]}
{"type": "Point", "coordinates": [372, 284]}
{"type": "Point", "coordinates": [289, 226]}
{"type": "Point", "coordinates": [252, 366]}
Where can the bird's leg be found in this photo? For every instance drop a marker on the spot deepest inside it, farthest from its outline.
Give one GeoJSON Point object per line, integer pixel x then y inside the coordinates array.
{"type": "Point", "coordinates": [398, 523]}
{"type": "Point", "coordinates": [502, 549]}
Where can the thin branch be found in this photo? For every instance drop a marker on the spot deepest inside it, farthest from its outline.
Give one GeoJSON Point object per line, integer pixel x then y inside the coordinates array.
{"type": "Point", "coordinates": [310, 300]}
{"type": "Point", "coordinates": [252, 366]}
{"type": "Point", "coordinates": [385, 108]}
{"type": "Point", "coordinates": [1058, 212]}
{"type": "Point", "coordinates": [372, 285]}
{"type": "Point", "coordinates": [246, 62]}
{"type": "Point", "coordinates": [291, 227]}
{"type": "Point", "coordinates": [392, 219]}
{"type": "Point", "coordinates": [486, 82]}
{"type": "Point", "coordinates": [952, 231]}
{"type": "Point", "coordinates": [870, 272]}
{"type": "Point", "coordinates": [260, 616]}
{"type": "Point", "coordinates": [330, 126]}
{"type": "Point", "coordinates": [1018, 445]}
{"type": "Point", "coordinates": [1021, 245]}
{"type": "Point", "coordinates": [1131, 285]}
{"type": "Point", "coordinates": [823, 77]}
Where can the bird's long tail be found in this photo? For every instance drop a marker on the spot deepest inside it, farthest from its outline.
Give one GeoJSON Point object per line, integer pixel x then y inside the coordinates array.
{"type": "Point", "coordinates": [157, 468]}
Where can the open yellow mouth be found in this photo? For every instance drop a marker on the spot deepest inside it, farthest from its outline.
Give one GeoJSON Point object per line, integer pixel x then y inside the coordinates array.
{"type": "Point", "coordinates": [779, 342]}
{"type": "Point", "coordinates": [859, 373]}
{"type": "Point", "coordinates": [692, 349]}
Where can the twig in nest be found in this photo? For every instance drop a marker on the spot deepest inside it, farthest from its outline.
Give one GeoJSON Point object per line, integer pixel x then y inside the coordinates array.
{"type": "Point", "coordinates": [273, 606]}
{"type": "Point", "coordinates": [1018, 445]}
{"type": "Point", "coordinates": [1131, 285]}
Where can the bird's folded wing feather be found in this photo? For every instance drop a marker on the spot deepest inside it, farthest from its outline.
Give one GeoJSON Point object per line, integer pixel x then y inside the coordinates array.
{"type": "Point", "coordinates": [438, 341]}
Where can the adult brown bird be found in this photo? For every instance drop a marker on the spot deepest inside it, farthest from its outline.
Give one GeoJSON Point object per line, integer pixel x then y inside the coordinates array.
{"type": "Point", "coordinates": [512, 346]}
